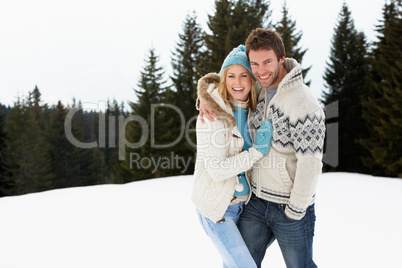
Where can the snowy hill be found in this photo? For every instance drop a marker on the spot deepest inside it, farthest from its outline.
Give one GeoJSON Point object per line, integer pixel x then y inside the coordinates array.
{"type": "Point", "coordinates": [153, 224]}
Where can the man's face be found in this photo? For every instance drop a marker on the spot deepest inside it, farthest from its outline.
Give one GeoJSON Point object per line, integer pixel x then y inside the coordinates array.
{"type": "Point", "coordinates": [266, 67]}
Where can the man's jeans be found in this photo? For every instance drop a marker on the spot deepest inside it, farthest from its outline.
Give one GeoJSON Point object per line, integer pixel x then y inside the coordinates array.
{"type": "Point", "coordinates": [262, 221]}
{"type": "Point", "coordinates": [227, 239]}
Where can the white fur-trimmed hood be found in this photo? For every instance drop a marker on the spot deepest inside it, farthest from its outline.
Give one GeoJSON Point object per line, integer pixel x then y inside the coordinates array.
{"type": "Point", "coordinates": [206, 91]}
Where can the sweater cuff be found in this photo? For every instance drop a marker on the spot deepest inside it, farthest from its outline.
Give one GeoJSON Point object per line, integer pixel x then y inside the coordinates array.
{"type": "Point", "coordinates": [255, 155]}
{"type": "Point", "coordinates": [294, 214]}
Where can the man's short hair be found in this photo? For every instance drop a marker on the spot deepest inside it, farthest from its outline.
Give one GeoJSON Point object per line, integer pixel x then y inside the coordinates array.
{"type": "Point", "coordinates": [267, 39]}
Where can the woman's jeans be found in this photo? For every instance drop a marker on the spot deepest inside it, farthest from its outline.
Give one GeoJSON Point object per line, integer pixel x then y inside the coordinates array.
{"type": "Point", "coordinates": [227, 239]}
{"type": "Point", "coordinates": [262, 222]}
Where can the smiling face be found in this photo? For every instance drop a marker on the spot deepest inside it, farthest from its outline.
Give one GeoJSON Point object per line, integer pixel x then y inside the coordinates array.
{"type": "Point", "coordinates": [238, 82]}
{"type": "Point", "coordinates": [266, 67]}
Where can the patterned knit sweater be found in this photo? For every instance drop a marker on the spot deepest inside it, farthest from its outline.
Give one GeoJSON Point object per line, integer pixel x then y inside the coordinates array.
{"type": "Point", "coordinates": [288, 173]}
{"type": "Point", "coordinates": [220, 155]}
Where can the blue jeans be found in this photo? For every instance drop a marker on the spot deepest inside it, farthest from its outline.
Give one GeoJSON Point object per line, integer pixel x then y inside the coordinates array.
{"type": "Point", "coordinates": [227, 239]}
{"type": "Point", "coordinates": [262, 222]}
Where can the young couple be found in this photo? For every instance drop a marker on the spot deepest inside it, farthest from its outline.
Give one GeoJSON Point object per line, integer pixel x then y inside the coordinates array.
{"type": "Point", "coordinates": [259, 155]}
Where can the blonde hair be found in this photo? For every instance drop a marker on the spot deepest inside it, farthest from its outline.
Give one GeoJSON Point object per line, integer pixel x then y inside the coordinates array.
{"type": "Point", "coordinates": [228, 99]}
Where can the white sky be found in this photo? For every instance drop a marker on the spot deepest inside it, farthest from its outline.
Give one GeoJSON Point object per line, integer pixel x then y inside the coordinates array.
{"type": "Point", "coordinates": [93, 50]}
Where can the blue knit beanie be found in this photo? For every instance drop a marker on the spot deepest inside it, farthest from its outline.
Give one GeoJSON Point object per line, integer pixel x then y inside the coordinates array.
{"type": "Point", "coordinates": [237, 56]}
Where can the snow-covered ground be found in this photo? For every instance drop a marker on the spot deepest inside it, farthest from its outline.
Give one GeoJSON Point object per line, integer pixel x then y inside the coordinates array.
{"type": "Point", "coordinates": [153, 224]}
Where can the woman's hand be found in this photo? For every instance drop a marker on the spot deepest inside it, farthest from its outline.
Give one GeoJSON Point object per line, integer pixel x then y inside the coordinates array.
{"type": "Point", "coordinates": [263, 137]}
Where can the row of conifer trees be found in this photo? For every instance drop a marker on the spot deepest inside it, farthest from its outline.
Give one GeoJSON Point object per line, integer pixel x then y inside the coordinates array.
{"type": "Point", "coordinates": [155, 137]}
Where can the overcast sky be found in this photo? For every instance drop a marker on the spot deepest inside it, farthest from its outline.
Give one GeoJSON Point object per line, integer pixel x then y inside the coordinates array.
{"type": "Point", "coordinates": [93, 50]}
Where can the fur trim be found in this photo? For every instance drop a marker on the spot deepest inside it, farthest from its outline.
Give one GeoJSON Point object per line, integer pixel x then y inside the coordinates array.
{"type": "Point", "coordinates": [205, 87]}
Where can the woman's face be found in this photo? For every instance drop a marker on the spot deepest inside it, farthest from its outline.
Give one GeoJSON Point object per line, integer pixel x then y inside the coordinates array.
{"type": "Point", "coordinates": [238, 82]}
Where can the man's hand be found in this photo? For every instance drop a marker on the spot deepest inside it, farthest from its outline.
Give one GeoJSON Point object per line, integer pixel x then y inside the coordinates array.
{"type": "Point", "coordinates": [205, 111]}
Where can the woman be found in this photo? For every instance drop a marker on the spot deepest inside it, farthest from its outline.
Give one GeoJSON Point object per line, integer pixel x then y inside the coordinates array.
{"type": "Point", "coordinates": [224, 154]}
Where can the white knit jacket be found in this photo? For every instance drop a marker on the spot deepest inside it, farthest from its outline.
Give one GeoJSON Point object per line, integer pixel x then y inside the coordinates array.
{"type": "Point", "coordinates": [288, 174]}
{"type": "Point", "coordinates": [220, 157]}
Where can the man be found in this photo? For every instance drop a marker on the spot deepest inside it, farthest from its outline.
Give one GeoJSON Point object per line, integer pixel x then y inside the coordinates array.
{"type": "Point", "coordinates": [284, 180]}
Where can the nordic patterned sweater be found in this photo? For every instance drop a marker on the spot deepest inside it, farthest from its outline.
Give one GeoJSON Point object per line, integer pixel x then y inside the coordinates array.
{"type": "Point", "coordinates": [288, 174]}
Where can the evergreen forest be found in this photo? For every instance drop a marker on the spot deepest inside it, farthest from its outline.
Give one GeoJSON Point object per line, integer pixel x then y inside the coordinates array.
{"type": "Point", "coordinates": [44, 147]}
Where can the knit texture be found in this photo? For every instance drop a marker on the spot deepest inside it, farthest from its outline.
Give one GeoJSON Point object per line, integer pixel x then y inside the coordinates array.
{"type": "Point", "coordinates": [237, 56]}
{"type": "Point", "coordinates": [263, 137]}
{"type": "Point", "coordinates": [220, 156]}
{"type": "Point", "coordinates": [288, 174]}
{"type": "Point", "coordinates": [242, 124]}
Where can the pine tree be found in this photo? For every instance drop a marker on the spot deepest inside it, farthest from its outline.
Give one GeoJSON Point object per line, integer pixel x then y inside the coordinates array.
{"type": "Point", "coordinates": [215, 50]}
{"type": "Point", "coordinates": [36, 107]}
{"type": "Point", "coordinates": [185, 77]}
{"type": "Point", "coordinates": [88, 170]}
{"type": "Point", "coordinates": [383, 107]}
{"type": "Point", "coordinates": [63, 160]}
{"type": "Point", "coordinates": [66, 160]}
{"type": "Point", "coordinates": [346, 77]}
{"type": "Point", "coordinates": [246, 16]}
{"type": "Point", "coordinates": [27, 147]}
{"type": "Point", "coordinates": [287, 30]}
{"type": "Point", "coordinates": [184, 63]}
{"type": "Point", "coordinates": [6, 184]}
{"type": "Point", "coordinates": [150, 92]}
{"type": "Point", "coordinates": [6, 110]}
{"type": "Point", "coordinates": [86, 121]}
{"type": "Point", "coordinates": [230, 25]}
{"type": "Point", "coordinates": [110, 152]}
